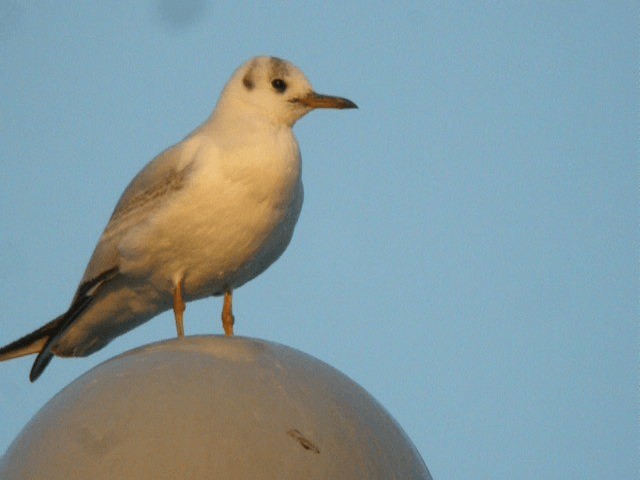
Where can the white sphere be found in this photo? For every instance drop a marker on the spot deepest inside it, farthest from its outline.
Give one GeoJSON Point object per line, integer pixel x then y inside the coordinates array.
{"type": "Point", "coordinates": [213, 407]}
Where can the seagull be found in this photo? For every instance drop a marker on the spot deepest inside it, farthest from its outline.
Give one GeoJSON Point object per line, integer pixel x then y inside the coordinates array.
{"type": "Point", "coordinates": [201, 219]}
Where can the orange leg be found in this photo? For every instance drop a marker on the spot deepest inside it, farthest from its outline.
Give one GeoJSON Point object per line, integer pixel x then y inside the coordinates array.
{"type": "Point", "coordinates": [227, 314]}
{"type": "Point", "coordinates": [178, 308]}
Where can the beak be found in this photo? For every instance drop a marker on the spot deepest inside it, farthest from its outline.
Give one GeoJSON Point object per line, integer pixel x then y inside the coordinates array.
{"type": "Point", "coordinates": [316, 100]}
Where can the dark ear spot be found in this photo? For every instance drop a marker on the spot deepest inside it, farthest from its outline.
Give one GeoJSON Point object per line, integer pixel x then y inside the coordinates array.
{"type": "Point", "coordinates": [247, 81]}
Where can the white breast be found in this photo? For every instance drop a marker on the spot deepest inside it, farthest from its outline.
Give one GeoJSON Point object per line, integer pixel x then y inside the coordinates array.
{"type": "Point", "coordinates": [233, 218]}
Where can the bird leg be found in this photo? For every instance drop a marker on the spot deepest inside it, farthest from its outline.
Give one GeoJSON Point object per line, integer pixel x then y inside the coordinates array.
{"type": "Point", "coordinates": [227, 314]}
{"type": "Point", "coordinates": [178, 308]}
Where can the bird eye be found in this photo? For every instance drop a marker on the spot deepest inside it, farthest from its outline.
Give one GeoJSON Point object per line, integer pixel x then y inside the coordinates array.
{"type": "Point", "coordinates": [279, 84]}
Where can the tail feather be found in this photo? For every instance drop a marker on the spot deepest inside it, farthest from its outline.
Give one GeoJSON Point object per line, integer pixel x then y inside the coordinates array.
{"type": "Point", "coordinates": [46, 352]}
{"type": "Point", "coordinates": [43, 340]}
{"type": "Point", "coordinates": [34, 342]}
{"type": "Point", "coordinates": [84, 297]}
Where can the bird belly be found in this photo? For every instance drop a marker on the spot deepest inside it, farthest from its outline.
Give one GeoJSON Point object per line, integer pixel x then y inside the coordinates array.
{"type": "Point", "coordinates": [233, 247]}
{"type": "Point", "coordinates": [216, 235]}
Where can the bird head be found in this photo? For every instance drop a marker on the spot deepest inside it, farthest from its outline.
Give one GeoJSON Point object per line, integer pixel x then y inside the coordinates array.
{"type": "Point", "coordinates": [275, 89]}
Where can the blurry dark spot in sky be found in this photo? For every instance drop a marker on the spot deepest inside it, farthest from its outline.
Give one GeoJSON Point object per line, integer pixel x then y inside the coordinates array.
{"type": "Point", "coordinates": [182, 13]}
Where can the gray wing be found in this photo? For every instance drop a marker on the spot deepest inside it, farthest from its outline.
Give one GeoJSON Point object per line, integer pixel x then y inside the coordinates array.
{"type": "Point", "coordinates": [149, 189]}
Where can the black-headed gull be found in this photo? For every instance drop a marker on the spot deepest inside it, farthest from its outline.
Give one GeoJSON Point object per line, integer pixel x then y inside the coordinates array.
{"type": "Point", "coordinates": [204, 217]}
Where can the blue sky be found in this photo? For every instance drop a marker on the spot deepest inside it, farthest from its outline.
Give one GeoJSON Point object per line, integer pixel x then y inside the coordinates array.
{"type": "Point", "coordinates": [467, 250]}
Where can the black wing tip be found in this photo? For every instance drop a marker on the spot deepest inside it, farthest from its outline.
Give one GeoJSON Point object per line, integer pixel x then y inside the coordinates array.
{"type": "Point", "coordinates": [52, 330]}
{"type": "Point", "coordinates": [42, 360]}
